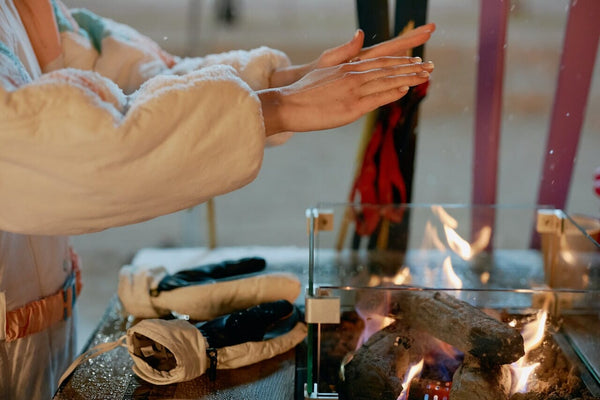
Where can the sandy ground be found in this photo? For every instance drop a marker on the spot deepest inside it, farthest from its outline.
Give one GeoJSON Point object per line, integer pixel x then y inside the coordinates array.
{"type": "Point", "coordinates": [315, 167]}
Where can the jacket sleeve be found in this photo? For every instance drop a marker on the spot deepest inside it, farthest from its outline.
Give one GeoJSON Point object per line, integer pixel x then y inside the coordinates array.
{"type": "Point", "coordinates": [77, 155]}
{"type": "Point", "coordinates": [129, 58]}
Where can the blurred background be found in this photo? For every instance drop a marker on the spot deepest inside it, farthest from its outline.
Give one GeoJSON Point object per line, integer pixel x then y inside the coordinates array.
{"type": "Point", "coordinates": [319, 166]}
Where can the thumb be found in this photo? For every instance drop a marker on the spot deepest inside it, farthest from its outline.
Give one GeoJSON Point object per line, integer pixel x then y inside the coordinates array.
{"type": "Point", "coordinates": [344, 52]}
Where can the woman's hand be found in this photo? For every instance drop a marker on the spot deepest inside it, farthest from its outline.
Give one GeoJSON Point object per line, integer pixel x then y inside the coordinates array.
{"type": "Point", "coordinates": [337, 95]}
{"type": "Point", "coordinates": [353, 51]}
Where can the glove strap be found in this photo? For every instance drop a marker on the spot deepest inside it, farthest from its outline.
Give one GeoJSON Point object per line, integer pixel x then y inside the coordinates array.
{"type": "Point", "coordinates": [92, 353]}
{"type": "Point", "coordinates": [211, 353]}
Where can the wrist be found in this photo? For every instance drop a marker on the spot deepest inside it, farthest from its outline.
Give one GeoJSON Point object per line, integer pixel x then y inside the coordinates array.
{"type": "Point", "coordinates": [271, 103]}
{"type": "Point", "coordinates": [288, 75]}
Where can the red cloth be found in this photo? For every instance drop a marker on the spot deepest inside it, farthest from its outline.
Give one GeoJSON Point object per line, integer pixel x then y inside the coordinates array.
{"type": "Point", "coordinates": [380, 180]}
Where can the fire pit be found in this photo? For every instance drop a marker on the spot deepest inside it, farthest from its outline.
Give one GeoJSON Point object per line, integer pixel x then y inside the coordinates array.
{"type": "Point", "coordinates": [452, 302]}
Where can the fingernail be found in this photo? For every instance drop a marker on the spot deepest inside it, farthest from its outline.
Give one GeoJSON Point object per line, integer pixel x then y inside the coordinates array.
{"type": "Point", "coordinates": [428, 65]}
{"type": "Point", "coordinates": [423, 74]}
{"type": "Point", "coordinates": [355, 59]}
{"type": "Point", "coordinates": [356, 33]}
{"type": "Point", "coordinates": [404, 88]}
{"type": "Point", "coordinates": [416, 59]}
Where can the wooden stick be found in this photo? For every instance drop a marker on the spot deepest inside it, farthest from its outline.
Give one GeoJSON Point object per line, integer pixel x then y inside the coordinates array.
{"type": "Point", "coordinates": [472, 382]}
{"type": "Point", "coordinates": [372, 371]}
{"type": "Point", "coordinates": [459, 324]}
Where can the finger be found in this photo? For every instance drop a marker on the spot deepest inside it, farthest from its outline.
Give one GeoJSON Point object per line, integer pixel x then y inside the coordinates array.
{"type": "Point", "coordinates": [400, 44]}
{"type": "Point", "coordinates": [376, 100]}
{"type": "Point", "coordinates": [393, 70]}
{"type": "Point", "coordinates": [381, 62]}
{"type": "Point", "coordinates": [385, 83]}
{"type": "Point", "coordinates": [395, 47]}
{"type": "Point", "coordinates": [427, 28]}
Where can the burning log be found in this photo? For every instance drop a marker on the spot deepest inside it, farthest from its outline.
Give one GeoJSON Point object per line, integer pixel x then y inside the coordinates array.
{"type": "Point", "coordinates": [459, 324]}
{"type": "Point", "coordinates": [472, 382]}
{"type": "Point", "coordinates": [372, 371]}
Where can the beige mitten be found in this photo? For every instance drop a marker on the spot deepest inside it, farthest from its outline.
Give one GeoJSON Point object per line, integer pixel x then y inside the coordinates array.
{"type": "Point", "coordinates": [170, 351]}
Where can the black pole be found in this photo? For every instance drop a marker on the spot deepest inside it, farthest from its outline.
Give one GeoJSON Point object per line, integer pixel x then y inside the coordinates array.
{"type": "Point", "coordinates": [374, 20]}
{"type": "Point", "coordinates": [407, 11]}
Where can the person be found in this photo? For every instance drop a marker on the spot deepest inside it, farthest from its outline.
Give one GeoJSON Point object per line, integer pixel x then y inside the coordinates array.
{"type": "Point", "coordinates": [100, 127]}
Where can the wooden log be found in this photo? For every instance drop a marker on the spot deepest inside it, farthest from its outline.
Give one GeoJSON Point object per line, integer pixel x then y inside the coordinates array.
{"type": "Point", "coordinates": [471, 381]}
{"type": "Point", "coordinates": [372, 371]}
{"type": "Point", "coordinates": [459, 324]}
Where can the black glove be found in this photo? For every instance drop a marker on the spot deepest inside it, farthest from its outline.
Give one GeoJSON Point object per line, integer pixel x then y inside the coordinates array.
{"type": "Point", "coordinates": [204, 274]}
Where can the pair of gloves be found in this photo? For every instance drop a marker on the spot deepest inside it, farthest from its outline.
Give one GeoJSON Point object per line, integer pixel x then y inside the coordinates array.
{"type": "Point", "coordinates": [235, 316]}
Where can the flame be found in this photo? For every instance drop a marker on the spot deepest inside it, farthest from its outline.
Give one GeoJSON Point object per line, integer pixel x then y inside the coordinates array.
{"type": "Point", "coordinates": [431, 238]}
{"type": "Point", "coordinates": [403, 277]}
{"type": "Point", "coordinates": [465, 250]}
{"type": "Point", "coordinates": [453, 280]}
{"type": "Point", "coordinates": [533, 336]}
{"type": "Point", "coordinates": [533, 332]}
{"type": "Point", "coordinates": [373, 323]}
{"type": "Point", "coordinates": [372, 308]}
{"type": "Point", "coordinates": [411, 373]}
{"type": "Point", "coordinates": [521, 376]}
{"type": "Point", "coordinates": [456, 243]}
{"type": "Point", "coordinates": [485, 277]}
{"type": "Point", "coordinates": [568, 257]}
{"type": "Point", "coordinates": [446, 218]}
{"type": "Point", "coordinates": [374, 280]}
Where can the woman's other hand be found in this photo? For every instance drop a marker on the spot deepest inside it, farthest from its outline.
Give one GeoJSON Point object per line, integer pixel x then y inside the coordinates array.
{"type": "Point", "coordinates": [353, 51]}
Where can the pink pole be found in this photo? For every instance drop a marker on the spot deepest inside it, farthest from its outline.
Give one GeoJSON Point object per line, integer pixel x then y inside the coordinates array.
{"type": "Point", "coordinates": [490, 76]}
{"type": "Point", "coordinates": [574, 80]}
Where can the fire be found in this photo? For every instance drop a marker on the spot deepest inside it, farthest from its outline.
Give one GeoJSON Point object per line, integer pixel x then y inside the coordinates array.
{"type": "Point", "coordinates": [533, 335]}
{"type": "Point", "coordinates": [402, 277]}
{"type": "Point", "coordinates": [454, 281]}
{"type": "Point", "coordinates": [372, 308]}
{"type": "Point", "coordinates": [533, 332]}
{"type": "Point", "coordinates": [411, 373]}
{"type": "Point", "coordinates": [373, 324]}
{"type": "Point", "coordinates": [521, 376]}
{"type": "Point", "coordinates": [446, 218]}
{"type": "Point", "coordinates": [485, 277]}
{"type": "Point", "coordinates": [431, 238]}
{"type": "Point", "coordinates": [465, 250]}
{"type": "Point", "coordinates": [456, 243]}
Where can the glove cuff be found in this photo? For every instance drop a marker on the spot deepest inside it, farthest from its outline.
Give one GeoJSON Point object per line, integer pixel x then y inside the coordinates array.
{"type": "Point", "coordinates": [151, 338]}
{"type": "Point", "coordinates": [180, 349]}
{"type": "Point", "coordinates": [249, 353]}
{"type": "Point", "coordinates": [135, 283]}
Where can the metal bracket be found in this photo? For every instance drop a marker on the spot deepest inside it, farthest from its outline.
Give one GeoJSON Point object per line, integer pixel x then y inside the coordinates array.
{"type": "Point", "coordinates": [550, 221]}
{"type": "Point", "coordinates": [323, 221]}
{"type": "Point", "coordinates": [322, 310]}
